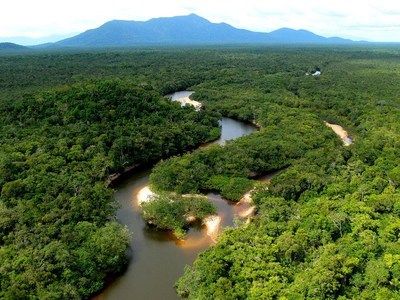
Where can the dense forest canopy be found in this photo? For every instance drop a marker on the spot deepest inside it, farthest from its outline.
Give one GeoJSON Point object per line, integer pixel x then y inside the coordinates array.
{"type": "Point", "coordinates": [328, 225]}
{"type": "Point", "coordinates": [58, 237]}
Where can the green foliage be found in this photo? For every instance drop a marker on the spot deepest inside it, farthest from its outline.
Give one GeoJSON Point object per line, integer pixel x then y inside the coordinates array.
{"type": "Point", "coordinates": [394, 176]}
{"type": "Point", "coordinates": [175, 213]}
{"type": "Point", "coordinates": [295, 136]}
{"type": "Point", "coordinates": [327, 226]}
{"type": "Point", "coordinates": [58, 236]}
{"type": "Point", "coordinates": [231, 188]}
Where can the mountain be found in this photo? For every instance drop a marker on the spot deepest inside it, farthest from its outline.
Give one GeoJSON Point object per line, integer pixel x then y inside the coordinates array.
{"type": "Point", "coordinates": [287, 35]}
{"type": "Point", "coordinates": [12, 47]}
{"type": "Point", "coordinates": [185, 30]}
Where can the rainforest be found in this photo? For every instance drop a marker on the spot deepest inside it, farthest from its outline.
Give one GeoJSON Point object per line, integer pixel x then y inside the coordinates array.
{"type": "Point", "coordinates": [78, 126]}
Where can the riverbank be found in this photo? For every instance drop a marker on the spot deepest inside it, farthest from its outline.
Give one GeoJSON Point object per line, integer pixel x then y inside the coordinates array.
{"type": "Point", "coordinates": [116, 178]}
{"type": "Point", "coordinates": [157, 255]}
{"type": "Point", "coordinates": [244, 209]}
{"type": "Point", "coordinates": [342, 133]}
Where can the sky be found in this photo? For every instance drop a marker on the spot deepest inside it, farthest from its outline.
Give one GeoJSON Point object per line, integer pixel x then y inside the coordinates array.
{"type": "Point", "coordinates": [29, 22]}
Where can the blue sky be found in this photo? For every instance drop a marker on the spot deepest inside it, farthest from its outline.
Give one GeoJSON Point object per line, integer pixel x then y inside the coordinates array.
{"type": "Point", "coordinates": [30, 22]}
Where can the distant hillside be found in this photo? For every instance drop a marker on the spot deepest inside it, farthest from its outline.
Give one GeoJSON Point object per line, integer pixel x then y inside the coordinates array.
{"type": "Point", "coordinates": [11, 47]}
{"type": "Point", "coordinates": [185, 30]}
{"type": "Point", "coordinates": [287, 35]}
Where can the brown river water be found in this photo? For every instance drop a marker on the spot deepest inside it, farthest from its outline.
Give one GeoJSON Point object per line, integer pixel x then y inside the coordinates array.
{"type": "Point", "coordinates": [158, 259]}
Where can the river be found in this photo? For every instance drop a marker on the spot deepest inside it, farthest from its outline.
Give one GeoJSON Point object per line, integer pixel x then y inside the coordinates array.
{"type": "Point", "coordinates": [158, 259]}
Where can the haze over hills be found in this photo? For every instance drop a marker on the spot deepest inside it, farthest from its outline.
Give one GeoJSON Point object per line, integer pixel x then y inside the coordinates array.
{"type": "Point", "coordinates": [11, 47]}
{"type": "Point", "coordinates": [186, 30]}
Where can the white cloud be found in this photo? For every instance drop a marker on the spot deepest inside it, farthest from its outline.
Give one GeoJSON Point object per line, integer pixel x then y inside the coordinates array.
{"type": "Point", "coordinates": [368, 19]}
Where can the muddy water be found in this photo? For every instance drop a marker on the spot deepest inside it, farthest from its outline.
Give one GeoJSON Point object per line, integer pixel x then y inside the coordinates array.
{"type": "Point", "coordinates": [158, 260]}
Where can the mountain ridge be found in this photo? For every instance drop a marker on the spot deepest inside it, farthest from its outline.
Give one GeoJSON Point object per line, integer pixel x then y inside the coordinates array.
{"type": "Point", "coordinates": [7, 46]}
{"type": "Point", "coordinates": [186, 30]}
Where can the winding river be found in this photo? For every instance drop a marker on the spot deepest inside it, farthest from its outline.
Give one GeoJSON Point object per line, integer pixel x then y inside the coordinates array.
{"type": "Point", "coordinates": [158, 259]}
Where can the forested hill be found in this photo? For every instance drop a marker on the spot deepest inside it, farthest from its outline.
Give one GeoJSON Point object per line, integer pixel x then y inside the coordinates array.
{"type": "Point", "coordinates": [6, 47]}
{"type": "Point", "coordinates": [186, 30]}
